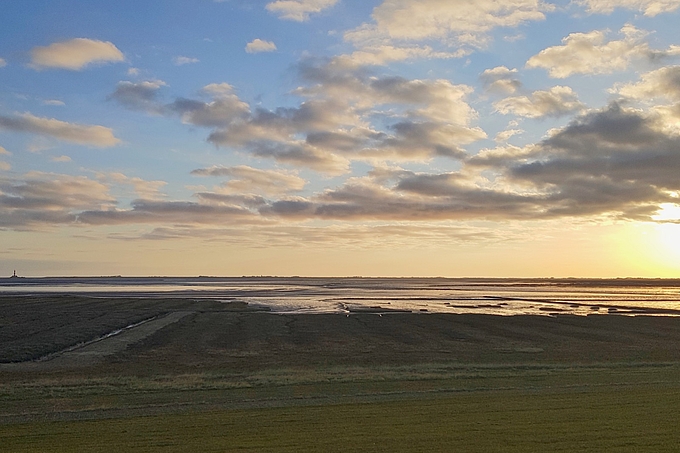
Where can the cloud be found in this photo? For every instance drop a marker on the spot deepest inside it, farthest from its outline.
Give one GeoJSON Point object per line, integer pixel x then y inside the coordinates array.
{"type": "Point", "coordinates": [3, 63]}
{"type": "Point", "coordinates": [615, 162]}
{"type": "Point", "coordinates": [661, 83]}
{"type": "Point", "coordinates": [377, 234]}
{"type": "Point", "coordinates": [298, 10]}
{"type": "Point", "coordinates": [345, 115]}
{"type": "Point", "coordinates": [505, 135]}
{"type": "Point", "coordinates": [500, 80]}
{"type": "Point", "coordinates": [590, 53]}
{"type": "Point", "coordinates": [180, 60]}
{"type": "Point", "coordinates": [148, 190]}
{"type": "Point", "coordinates": [222, 110]}
{"type": "Point", "coordinates": [169, 212]}
{"type": "Point", "coordinates": [404, 29]}
{"type": "Point", "coordinates": [611, 160]}
{"type": "Point", "coordinates": [5, 166]}
{"type": "Point", "coordinates": [54, 102]}
{"type": "Point", "coordinates": [4, 151]}
{"type": "Point", "coordinates": [82, 134]}
{"type": "Point", "coordinates": [141, 96]}
{"type": "Point", "coordinates": [60, 159]}
{"type": "Point", "coordinates": [650, 8]}
{"type": "Point", "coordinates": [75, 54]}
{"type": "Point", "coordinates": [254, 180]}
{"type": "Point", "coordinates": [258, 45]}
{"type": "Point", "coordinates": [40, 200]}
{"type": "Point", "coordinates": [408, 196]}
{"type": "Point", "coordinates": [557, 101]}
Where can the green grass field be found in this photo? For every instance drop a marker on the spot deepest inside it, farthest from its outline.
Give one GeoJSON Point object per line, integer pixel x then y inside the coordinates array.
{"type": "Point", "coordinates": [607, 419]}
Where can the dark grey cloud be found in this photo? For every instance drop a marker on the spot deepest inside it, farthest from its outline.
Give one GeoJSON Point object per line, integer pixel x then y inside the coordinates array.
{"type": "Point", "coordinates": [622, 145]}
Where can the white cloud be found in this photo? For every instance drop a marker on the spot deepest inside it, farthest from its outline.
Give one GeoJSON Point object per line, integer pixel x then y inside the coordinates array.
{"type": "Point", "coordinates": [258, 45]}
{"type": "Point", "coordinates": [83, 134]}
{"type": "Point", "coordinates": [664, 82]}
{"type": "Point", "coordinates": [133, 71]}
{"type": "Point", "coordinates": [500, 80]}
{"type": "Point", "coordinates": [60, 159]}
{"type": "Point", "coordinates": [298, 10]}
{"type": "Point", "coordinates": [3, 63]}
{"type": "Point", "coordinates": [590, 53]}
{"type": "Point", "coordinates": [180, 60]}
{"type": "Point", "coordinates": [557, 101]}
{"type": "Point", "coordinates": [505, 135]}
{"type": "Point", "coordinates": [403, 29]}
{"type": "Point", "coordinates": [5, 166]}
{"type": "Point", "coordinates": [75, 54]}
{"type": "Point", "coordinates": [4, 151]}
{"type": "Point", "coordinates": [648, 7]}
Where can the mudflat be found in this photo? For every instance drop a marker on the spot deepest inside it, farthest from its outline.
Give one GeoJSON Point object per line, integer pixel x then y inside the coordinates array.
{"type": "Point", "coordinates": [159, 374]}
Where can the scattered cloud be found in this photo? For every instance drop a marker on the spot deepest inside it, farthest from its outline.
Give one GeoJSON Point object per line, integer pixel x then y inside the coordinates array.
{"type": "Point", "coordinates": [180, 60]}
{"type": "Point", "coordinates": [75, 54]}
{"type": "Point", "coordinates": [500, 80]}
{"type": "Point", "coordinates": [591, 53]}
{"type": "Point", "coordinates": [5, 166]}
{"type": "Point", "coordinates": [60, 159]}
{"type": "Point", "coordinates": [133, 71]}
{"type": "Point", "coordinates": [557, 101]}
{"type": "Point", "coordinates": [3, 151]}
{"type": "Point", "coordinates": [258, 45]}
{"type": "Point", "coordinates": [3, 63]}
{"type": "Point", "coordinates": [82, 134]}
{"type": "Point", "coordinates": [650, 8]}
{"type": "Point", "coordinates": [298, 10]}
{"type": "Point", "coordinates": [403, 29]}
{"type": "Point", "coordinates": [340, 119]}
{"type": "Point", "coordinates": [615, 162]}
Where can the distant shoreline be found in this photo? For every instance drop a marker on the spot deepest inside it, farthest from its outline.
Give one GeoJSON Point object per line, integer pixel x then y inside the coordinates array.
{"type": "Point", "coordinates": [575, 281]}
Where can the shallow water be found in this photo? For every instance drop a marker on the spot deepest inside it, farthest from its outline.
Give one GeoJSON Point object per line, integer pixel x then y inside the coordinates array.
{"type": "Point", "coordinates": [388, 295]}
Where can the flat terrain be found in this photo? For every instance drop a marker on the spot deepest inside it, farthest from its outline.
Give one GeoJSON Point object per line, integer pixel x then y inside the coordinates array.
{"type": "Point", "coordinates": [200, 375]}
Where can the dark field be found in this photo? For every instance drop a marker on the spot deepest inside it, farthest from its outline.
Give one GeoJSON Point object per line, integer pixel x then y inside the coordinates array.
{"type": "Point", "coordinates": [207, 376]}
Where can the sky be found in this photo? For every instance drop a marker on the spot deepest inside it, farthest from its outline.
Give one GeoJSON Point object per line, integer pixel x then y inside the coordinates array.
{"type": "Point", "coordinates": [460, 138]}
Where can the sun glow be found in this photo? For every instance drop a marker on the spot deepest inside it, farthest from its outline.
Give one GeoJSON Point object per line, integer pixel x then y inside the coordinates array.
{"type": "Point", "coordinates": [667, 235]}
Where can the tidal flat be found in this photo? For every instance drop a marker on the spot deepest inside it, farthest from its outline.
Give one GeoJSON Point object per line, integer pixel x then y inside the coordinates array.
{"type": "Point", "coordinates": [191, 374]}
